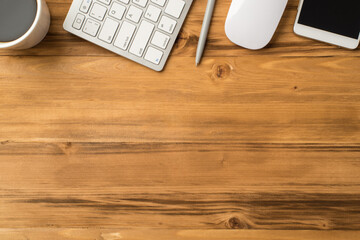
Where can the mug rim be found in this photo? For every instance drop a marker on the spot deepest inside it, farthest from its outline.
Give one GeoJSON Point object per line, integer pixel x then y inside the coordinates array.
{"type": "Point", "coordinates": [28, 32]}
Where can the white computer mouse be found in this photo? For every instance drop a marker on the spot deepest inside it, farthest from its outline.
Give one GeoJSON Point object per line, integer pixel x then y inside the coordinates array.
{"type": "Point", "coordinates": [252, 23]}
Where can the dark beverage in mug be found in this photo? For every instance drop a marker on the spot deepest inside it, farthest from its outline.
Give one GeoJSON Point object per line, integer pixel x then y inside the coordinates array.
{"type": "Point", "coordinates": [23, 23]}
{"type": "Point", "coordinates": [16, 18]}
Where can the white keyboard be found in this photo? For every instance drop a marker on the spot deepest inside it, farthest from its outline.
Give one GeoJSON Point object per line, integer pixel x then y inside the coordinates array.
{"type": "Point", "coordinates": [141, 30]}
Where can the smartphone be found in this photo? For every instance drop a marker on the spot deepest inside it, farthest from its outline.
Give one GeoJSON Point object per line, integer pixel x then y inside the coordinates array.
{"type": "Point", "coordinates": [333, 21]}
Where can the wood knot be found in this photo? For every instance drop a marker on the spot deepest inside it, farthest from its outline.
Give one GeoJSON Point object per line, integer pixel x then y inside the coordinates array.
{"type": "Point", "coordinates": [183, 40]}
{"type": "Point", "coordinates": [236, 223]}
{"type": "Point", "coordinates": [67, 148]}
{"type": "Point", "coordinates": [68, 145]}
{"type": "Point", "coordinates": [221, 71]}
{"type": "Point", "coordinates": [324, 225]}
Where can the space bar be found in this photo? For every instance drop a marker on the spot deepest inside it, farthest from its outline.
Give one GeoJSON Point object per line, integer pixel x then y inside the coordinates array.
{"type": "Point", "coordinates": [142, 38]}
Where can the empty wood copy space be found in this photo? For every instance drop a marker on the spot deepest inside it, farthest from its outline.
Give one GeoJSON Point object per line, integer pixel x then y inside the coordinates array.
{"type": "Point", "coordinates": [249, 145]}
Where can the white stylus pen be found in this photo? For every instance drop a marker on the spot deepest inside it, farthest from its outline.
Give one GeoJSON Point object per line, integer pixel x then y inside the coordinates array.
{"type": "Point", "coordinates": [204, 30]}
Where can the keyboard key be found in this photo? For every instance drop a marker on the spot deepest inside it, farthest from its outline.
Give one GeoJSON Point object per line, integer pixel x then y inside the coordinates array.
{"type": "Point", "coordinates": [117, 11]}
{"type": "Point", "coordinates": [98, 11]}
{"type": "Point", "coordinates": [125, 35]}
{"type": "Point", "coordinates": [91, 27]}
{"type": "Point", "coordinates": [108, 30]}
{"type": "Point", "coordinates": [153, 13]}
{"type": "Point", "coordinates": [141, 3]}
{"type": "Point", "coordinates": [125, 1]}
{"type": "Point", "coordinates": [107, 2]}
{"type": "Point", "coordinates": [142, 38]}
{"type": "Point", "coordinates": [78, 21]}
{"type": "Point", "coordinates": [134, 14]}
{"type": "Point", "coordinates": [85, 6]}
{"type": "Point", "coordinates": [175, 7]}
{"type": "Point", "coordinates": [167, 24]}
{"type": "Point", "coordinates": [153, 55]}
{"type": "Point", "coordinates": [160, 40]}
{"type": "Point", "coordinates": [159, 2]}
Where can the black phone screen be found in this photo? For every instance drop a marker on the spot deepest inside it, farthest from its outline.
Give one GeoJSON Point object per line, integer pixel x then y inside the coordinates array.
{"type": "Point", "coordinates": [337, 16]}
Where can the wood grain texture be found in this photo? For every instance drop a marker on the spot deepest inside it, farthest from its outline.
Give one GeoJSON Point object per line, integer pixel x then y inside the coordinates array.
{"type": "Point", "coordinates": [94, 146]}
{"type": "Point", "coordinates": [228, 99]}
{"type": "Point", "coordinates": [119, 234]}
{"type": "Point", "coordinates": [251, 186]}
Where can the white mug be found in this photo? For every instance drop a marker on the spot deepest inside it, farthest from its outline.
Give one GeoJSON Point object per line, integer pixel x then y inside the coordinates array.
{"type": "Point", "coordinates": [36, 32]}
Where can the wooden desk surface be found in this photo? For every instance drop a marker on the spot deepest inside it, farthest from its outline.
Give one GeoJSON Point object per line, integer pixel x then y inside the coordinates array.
{"type": "Point", "coordinates": [94, 146]}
